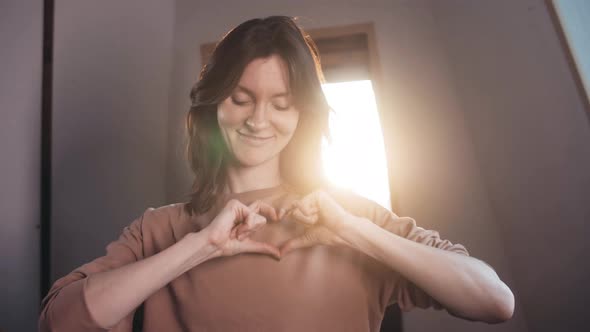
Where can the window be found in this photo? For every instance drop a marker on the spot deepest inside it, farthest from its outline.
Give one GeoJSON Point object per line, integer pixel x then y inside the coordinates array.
{"type": "Point", "coordinates": [356, 158]}
{"type": "Point", "coordinates": [572, 20]}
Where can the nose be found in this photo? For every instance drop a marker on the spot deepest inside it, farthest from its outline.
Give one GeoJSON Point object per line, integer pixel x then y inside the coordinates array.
{"type": "Point", "coordinates": [258, 120]}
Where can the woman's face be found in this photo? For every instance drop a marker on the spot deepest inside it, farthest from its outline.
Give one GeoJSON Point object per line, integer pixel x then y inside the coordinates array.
{"type": "Point", "coordinates": [258, 119]}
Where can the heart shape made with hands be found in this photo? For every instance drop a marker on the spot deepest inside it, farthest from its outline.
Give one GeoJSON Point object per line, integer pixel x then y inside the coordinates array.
{"type": "Point", "coordinates": [303, 223]}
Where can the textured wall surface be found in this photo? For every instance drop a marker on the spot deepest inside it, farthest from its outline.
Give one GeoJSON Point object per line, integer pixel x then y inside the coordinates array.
{"type": "Point", "coordinates": [111, 78]}
{"type": "Point", "coordinates": [532, 140]}
{"type": "Point", "coordinates": [21, 35]}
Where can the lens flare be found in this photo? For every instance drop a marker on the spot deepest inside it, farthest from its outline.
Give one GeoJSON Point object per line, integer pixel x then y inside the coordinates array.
{"type": "Point", "coordinates": [355, 159]}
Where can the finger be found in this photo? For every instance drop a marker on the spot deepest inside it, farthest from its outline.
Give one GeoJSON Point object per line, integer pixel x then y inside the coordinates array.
{"type": "Point", "coordinates": [243, 228]}
{"type": "Point", "coordinates": [254, 220]}
{"type": "Point", "coordinates": [245, 218]}
{"type": "Point", "coordinates": [252, 224]}
{"type": "Point", "coordinates": [282, 213]}
{"type": "Point", "coordinates": [255, 206]}
{"type": "Point", "coordinates": [241, 211]}
{"type": "Point", "coordinates": [298, 216]}
{"type": "Point", "coordinates": [266, 210]}
{"type": "Point", "coordinates": [252, 246]}
{"type": "Point", "coordinates": [244, 235]}
{"type": "Point", "coordinates": [291, 206]}
{"type": "Point", "coordinates": [258, 222]}
{"type": "Point", "coordinates": [307, 207]}
{"type": "Point", "coordinates": [234, 232]}
{"type": "Point", "coordinates": [239, 230]}
{"type": "Point", "coordinates": [294, 244]}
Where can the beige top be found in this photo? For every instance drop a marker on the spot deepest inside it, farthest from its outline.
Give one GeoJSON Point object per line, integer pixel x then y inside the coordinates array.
{"type": "Point", "coordinates": [315, 289]}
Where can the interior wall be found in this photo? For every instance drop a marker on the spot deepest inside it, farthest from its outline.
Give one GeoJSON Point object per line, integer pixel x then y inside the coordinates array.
{"type": "Point", "coordinates": [111, 78]}
{"type": "Point", "coordinates": [21, 37]}
{"type": "Point", "coordinates": [435, 170]}
{"type": "Point", "coordinates": [532, 139]}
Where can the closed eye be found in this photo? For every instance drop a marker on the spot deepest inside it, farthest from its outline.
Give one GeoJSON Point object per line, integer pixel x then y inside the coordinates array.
{"type": "Point", "coordinates": [282, 108]}
{"type": "Point", "coordinates": [239, 102]}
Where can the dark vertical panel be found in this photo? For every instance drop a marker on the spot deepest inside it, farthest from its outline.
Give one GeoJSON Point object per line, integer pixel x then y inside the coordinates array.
{"type": "Point", "coordinates": [392, 320]}
{"type": "Point", "coordinates": [21, 40]}
{"type": "Point", "coordinates": [48, 6]}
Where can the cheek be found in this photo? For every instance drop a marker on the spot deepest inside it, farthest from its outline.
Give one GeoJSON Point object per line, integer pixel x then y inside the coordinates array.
{"type": "Point", "coordinates": [228, 116]}
{"type": "Point", "coordinates": [286, 122]}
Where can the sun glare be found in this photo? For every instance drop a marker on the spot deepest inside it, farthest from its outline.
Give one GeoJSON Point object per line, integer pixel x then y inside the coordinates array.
{"type": "Point", "coordinates": [356, 157]}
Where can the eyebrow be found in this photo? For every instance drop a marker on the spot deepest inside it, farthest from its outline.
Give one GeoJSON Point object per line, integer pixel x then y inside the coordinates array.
{"type": "Point", "coordinates": [251, 93]}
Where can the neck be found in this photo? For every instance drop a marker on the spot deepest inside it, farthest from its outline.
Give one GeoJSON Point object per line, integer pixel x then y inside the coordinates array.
{"type": "Point", "coordinates": [241, 178]}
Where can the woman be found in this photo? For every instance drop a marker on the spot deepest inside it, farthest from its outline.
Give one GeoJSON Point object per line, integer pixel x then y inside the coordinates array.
{"type": "Point", "coordinates": [263, 243]}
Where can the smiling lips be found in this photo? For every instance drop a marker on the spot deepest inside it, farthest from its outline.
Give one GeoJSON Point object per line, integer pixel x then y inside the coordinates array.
{"type": "Point", "coordinates": [254, 140]}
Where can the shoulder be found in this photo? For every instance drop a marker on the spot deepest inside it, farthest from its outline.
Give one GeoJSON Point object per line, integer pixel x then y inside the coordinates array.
{"type": "Point", "coordinates": [164, 225]}
{"type": "Point", "coordinates": [358, 204]}
{"type": "Point", "coordinates": [164, 212]}
{"type": "Point", "coordinates": [163, 216]}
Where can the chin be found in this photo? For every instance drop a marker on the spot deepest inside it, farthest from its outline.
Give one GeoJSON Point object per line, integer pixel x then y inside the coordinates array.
{"type": "Point", "coordinates": [252, 160]}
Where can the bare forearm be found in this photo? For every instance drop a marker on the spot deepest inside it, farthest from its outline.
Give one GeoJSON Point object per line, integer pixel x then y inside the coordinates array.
{"type": "Point", "coordinates": [113, 294]}
{"type": "Point", "coordinates": [467, 287]}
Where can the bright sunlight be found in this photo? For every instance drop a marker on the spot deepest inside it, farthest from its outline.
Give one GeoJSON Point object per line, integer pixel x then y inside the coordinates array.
{"type": "Point", "coordinates": [356, 157]}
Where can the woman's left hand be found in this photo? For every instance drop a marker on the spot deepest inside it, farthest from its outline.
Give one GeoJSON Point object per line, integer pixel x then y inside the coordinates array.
{"type": "Point", "coordinates": [322, 216]}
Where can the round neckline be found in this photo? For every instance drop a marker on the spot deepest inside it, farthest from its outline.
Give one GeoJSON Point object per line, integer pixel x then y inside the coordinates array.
{"type": "Point", "coordinates": [257, 192]}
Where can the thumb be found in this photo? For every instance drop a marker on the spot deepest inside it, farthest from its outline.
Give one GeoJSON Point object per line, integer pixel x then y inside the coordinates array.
{"type": "Point", "coordinates": [300, 242]}
{"type": "Point", "coordinates": [249, 245]}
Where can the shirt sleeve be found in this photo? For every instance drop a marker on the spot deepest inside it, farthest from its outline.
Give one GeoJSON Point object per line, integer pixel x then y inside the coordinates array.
{"type": "Point", "coordinates": [401, 291]}
{"type": "Point", "coordinates": [396, 288]}
{"type": "Point", "coordinates": [65, 308]}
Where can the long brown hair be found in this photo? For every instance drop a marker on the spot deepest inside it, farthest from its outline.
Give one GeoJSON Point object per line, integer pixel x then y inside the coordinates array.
{"type": "Point", "coordinates": [257, 38]}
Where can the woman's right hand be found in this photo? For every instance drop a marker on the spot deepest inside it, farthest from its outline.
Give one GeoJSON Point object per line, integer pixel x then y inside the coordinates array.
{"type": "Point", "coordinates": [230, 230]}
